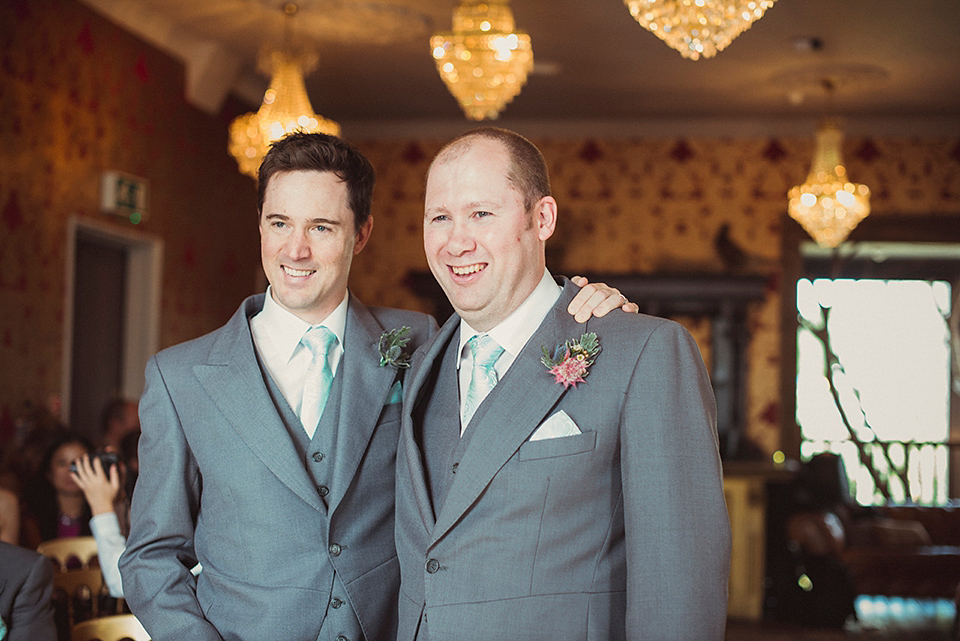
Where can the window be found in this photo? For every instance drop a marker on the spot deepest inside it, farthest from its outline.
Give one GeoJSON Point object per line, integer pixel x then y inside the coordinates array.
{"type": "Point", "coordinates": [873, 383]}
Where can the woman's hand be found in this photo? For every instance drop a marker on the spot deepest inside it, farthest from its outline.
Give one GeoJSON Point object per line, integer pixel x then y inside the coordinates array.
{"type": "Point", "coordinates": [99, 487]}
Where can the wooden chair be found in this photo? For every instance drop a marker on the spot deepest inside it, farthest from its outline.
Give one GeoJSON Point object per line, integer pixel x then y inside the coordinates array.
{"type": "Point", "coordinates": [71, 553]}
{"type": "Point", "coordinates": [123, 627]}
{"type": "Point", "coordinates": [79, 595]}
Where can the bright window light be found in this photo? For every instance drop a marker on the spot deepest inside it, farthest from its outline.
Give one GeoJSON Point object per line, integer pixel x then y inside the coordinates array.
{"type": "Point", "coordinates": [893, 344]}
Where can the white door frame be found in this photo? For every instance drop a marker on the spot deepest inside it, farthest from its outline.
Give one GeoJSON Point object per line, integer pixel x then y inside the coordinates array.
{"type": "Point", "coordinates": [141, 304]}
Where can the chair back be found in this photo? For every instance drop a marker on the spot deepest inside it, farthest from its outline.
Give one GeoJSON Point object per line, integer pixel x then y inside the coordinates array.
{"type": "Point", "coordinates": [71, 553]}
{"type": "Point", "coordinates": [79, 595]}
{"type": "Point", "coordinates": [123, 627]}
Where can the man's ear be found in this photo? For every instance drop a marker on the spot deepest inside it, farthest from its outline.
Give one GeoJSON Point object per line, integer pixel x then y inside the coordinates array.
{"type": "Point", "coordinates": [363, 235]}
{"type": "Point", "coordinates": [545, 217]}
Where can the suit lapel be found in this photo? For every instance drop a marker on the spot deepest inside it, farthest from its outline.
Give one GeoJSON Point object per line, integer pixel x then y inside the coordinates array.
{"type": "Point", "coordinates": [420, 369]}
{"type": "Point", "coordinates": [512, 411]}
{"type": "Point", "coordinates": [233, 379]}
{"type": "Point", "coordinates": [365, 389]}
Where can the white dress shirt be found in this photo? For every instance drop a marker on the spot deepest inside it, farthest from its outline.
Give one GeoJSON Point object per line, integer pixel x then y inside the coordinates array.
{"type": "Point", "coordinates": [276, 335]}
{"type": "Point", "coordinates": [512, 333]}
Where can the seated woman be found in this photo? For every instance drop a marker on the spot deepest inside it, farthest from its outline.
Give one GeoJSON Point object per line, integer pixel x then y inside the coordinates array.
{"type": "Point", "coordinates": [55, 506]}
{"type": "Point", "coordinates": [102, 490]}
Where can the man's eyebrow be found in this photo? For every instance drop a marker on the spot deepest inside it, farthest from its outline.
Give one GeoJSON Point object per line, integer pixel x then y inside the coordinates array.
{"type": "Point", "coordinates": [329, 222]}
{"type": "Point", "coordinates": [477, 204]}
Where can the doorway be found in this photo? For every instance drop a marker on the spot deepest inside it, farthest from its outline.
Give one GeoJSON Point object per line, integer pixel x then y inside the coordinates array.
{"type": "Point", "coordinates": [112, 319]}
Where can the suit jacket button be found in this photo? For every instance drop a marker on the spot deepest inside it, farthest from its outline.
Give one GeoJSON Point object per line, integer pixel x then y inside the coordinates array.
{"type": "Point", "coordinates": [335, 603]}
{"type": "Point", "coordinates": [318, 456]}
{"type": "Point", "coordinates": [432, 566]}
{"type": "Point", "coordinates": [335, 549]}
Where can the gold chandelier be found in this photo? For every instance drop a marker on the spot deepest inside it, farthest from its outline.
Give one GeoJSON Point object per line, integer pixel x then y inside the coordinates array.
{"type": "Point", "coordinates": [697, 27]}
{"type": "Point", "coordinates": [483, 61]}
{"type": "Point", "coordinates": [828, 205]}
{"type": "Point", "coordinates": [285, 109]}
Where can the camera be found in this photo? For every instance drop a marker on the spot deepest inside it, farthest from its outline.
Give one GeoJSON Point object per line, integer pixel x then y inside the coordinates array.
{"type": "Point", "coordinates": [106, 460]}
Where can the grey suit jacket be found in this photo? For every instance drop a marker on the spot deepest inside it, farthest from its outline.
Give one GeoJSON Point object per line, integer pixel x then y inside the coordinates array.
{"type": "Point", "coordinates": [221, 483]}
{"type": "Point", "coordinates": [26, 584]}
{"type": "Point", "coordinates": [619, 532]}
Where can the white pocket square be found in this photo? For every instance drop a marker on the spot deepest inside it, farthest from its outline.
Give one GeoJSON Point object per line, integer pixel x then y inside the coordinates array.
{"type": "Point", "coordinates": [557, 426]}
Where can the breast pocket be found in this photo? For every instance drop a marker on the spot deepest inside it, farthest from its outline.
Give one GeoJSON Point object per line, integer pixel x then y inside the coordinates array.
{"type": "Point", "coordinates": [553, 447]}
{"type": "Point", "coordinates": [390, 412]}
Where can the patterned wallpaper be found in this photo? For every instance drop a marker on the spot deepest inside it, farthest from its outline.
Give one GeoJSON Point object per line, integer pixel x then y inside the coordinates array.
{"type": "Point", "coordinates": [650, 205]}
{"type": "Point", "coordinates": [80, 96]}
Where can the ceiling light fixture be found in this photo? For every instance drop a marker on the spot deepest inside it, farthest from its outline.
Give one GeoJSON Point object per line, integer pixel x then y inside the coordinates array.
{"type": "Point", "coordinates": [697, 27]}
{"type": "Point", "coordinates": [285, 109]}
{"type": "Point", "coordinates": [828, 205]}
{"type": "Point", "coordinates": [483, 61]}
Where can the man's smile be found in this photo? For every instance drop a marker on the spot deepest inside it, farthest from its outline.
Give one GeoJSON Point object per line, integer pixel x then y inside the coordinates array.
{"type": "Point", "coordinates": [290, 271]}
{"type": "Point", "coordinates": [468, 269]}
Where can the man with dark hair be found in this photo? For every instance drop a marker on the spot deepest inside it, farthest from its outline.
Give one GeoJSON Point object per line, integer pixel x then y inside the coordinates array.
{"type": "Point", "coordinates": [268, 446]}
{"type": "Point", "coordinates": [555, 481]}
{"type": "Point", "coordinates": [119, 418]}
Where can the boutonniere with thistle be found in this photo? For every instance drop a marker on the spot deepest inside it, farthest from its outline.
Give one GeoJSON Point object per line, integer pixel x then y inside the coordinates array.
{"type": "Point", "coordinates": [392, 344]}
{"type": "Point", "coordinates": [572, 359]}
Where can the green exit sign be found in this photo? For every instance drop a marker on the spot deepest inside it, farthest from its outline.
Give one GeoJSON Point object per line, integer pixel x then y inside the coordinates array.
{"type": "Point", "coordinates": [125, 195]}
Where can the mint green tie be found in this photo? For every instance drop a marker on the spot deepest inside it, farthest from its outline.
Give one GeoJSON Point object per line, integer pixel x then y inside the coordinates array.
{"type": "Point", "coordinates": [316, 385]}
{"type": "Point", "coordinates": [483, 377]}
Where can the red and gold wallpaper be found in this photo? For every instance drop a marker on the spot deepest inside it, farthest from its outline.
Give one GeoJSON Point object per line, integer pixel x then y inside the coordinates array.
{"type": "Point", "coordinates": [79, 96]}
{"type": "Point", "coordinates": [656, 205]}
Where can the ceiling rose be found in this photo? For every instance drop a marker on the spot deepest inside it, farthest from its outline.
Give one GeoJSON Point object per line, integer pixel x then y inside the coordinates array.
{"type": "Point", "coordinates": [367, 22]}
{"type": "Point", "coordinates": [842, 76]}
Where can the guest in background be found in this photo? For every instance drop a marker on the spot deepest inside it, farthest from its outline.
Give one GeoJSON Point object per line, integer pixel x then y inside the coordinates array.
{"type": "Point", "coordinates": [55, 504]}
{"type": "Point", "coordinates": [9, 517]}
{"type": "Point", "coordinates": [118, 420]}
{"type": "Point", "coordinates": [26, 584]}
{"type": "Point", "coordinates": [131, 460]}
{"type": "Point", "coordinates": [102, 489]}
{"type": "Point", "coordinates": [37, 427]}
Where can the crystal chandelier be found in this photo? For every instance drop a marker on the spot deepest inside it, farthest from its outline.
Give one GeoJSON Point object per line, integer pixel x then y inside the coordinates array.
{"type": "Point", "coordinates": [828, 205]}
{"type": "Point", "coordinates": [483, 62]}
{"type": "Point", "coordinates": [285, 109]}
{"type": "Point", "coordinates": [697, 27]}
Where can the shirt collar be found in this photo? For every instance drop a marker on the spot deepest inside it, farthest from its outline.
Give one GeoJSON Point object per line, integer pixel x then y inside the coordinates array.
{"type": "Point", "coordinates": [513, 332]}
{"type": "Point", "coordinates": [285, 328]}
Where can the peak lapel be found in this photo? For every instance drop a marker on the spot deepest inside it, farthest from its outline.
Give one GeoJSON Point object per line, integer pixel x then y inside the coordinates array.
{"type": "Point", "coordinates": [423, 363]}
{"type": "Point", "coordinates": [365, 389]}
{"type": "Point", "coordinates": [233, 380]}
{"type": "Point", "coordinates": [512, 411]}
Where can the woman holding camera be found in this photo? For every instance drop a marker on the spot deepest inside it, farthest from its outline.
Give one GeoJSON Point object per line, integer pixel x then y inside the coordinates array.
{"type": "Point", "coordinates": [102, 489]}
{"type": "Point", "coordinates": [55, 506]}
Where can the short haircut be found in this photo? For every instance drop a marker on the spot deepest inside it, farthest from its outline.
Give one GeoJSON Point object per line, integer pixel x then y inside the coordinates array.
{"type": "Point", "coordinates": [115, 410]}
{"type": "Point", "coordinates": [528, 170]}
{"type": "Point", "coordinates": [301, 151]}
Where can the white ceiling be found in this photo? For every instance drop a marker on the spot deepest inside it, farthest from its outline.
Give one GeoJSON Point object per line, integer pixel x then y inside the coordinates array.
{"type": "Point", "coordinates": [891, 59]}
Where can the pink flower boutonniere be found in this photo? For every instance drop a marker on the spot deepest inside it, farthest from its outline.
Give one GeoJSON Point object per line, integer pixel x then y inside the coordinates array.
{"type": "Point", "coordinates": [571, 360]}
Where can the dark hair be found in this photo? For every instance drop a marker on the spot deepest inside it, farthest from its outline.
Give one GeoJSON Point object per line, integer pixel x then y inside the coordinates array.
{"type": "Point", "coordinates": [40, 498]}
{"type": "Point", "coordinates": [528, 170]}
{"type": "Point", "coordinates": [67, 437]}
{"type": "Point", "coordinates": [115, 410]}
{"type": "Point", "coordinates": [301, 151]}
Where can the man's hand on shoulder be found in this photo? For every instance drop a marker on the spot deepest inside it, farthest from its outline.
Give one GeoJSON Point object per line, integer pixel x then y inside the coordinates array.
{"type": "Point", "coordinates": [597, 299]}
